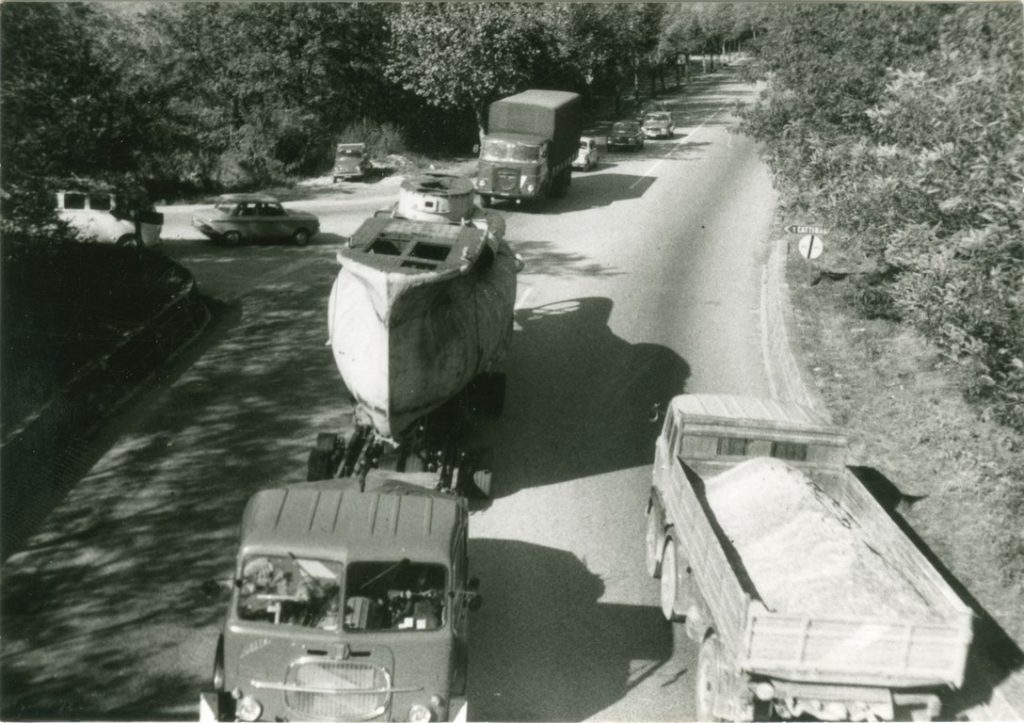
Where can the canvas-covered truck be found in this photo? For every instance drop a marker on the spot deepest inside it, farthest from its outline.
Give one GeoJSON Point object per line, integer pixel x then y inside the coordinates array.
{"type": "Point", "coordinates": [532, 139]}
{"type": "Point", "coordinates": [806, 598]}
{"type": "Point", "coordinates": [347, 605]}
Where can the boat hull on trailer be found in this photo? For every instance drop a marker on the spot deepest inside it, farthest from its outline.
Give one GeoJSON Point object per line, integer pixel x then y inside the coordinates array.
{"type": "Point", "coordinates": [406, 339]}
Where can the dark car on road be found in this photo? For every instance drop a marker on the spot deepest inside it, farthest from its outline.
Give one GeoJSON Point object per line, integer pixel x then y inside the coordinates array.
{"type": "Point", "coordinates": [626, 134]}
{"type": "Point", "coordinates": [255, 217]}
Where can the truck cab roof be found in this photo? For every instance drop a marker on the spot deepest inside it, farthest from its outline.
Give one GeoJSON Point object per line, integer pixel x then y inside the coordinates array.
{"type": "Point", "coordinates": [344, 523]}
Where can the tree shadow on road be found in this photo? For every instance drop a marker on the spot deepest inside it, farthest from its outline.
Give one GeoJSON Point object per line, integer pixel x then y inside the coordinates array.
{"type": "Point", "coordinates": [543, 645]}
{"type": "Point", "coordinates": [115, 573]}
{"type": "Point", "coordinates": [581, 400]}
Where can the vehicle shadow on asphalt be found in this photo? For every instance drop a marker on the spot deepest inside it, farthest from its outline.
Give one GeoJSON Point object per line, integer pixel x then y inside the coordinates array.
{"type": "Point", "coordinates": [580, 401]}
{"type": "Point", "coordinates": [543, 645]}
{"type": "Point", "coordinates": [593, 191]}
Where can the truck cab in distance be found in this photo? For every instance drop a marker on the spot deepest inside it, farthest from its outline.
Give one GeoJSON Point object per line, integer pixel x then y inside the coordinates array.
{"type": "Point", "coordinates": [346, 605]}
{"type": "Point", "coordinates": [532, 139]}
{"type": "Point", "coordinates": [807, 600]}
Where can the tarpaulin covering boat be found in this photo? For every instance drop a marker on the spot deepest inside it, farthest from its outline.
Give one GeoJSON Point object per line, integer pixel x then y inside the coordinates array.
{"type": "Point", "coordinates": [421, 307]}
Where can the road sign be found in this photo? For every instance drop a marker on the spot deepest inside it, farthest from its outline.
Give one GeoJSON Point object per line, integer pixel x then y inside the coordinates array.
{"type": "Point", "coordinates": [816, 230]}
{"type": "Point", "coordinates": [810, 246]}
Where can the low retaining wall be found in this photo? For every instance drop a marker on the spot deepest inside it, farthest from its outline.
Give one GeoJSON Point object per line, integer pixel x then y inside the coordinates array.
{"type": "Point", "coordinates": [42, 455]}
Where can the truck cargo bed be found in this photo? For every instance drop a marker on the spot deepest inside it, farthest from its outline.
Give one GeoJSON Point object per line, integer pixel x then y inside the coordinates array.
{"type": "Point", "coordinates": [911, 631]}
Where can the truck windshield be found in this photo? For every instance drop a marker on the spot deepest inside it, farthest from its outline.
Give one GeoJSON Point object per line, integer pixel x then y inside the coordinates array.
{"type": "Point", "coordinates": [400, 595]}
{"type": "Point", "coordinates": [497, 150]}
{"type": "Point", "coordinates": [289, 590]}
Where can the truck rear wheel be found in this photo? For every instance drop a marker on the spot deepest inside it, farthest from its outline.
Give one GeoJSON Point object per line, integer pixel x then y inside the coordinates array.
{"type": "Point", "coordinates": [670, 582]}
{"type": "Point", "coordinates": [709, 682]}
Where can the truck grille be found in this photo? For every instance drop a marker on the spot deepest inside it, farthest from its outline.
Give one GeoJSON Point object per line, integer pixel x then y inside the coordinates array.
{"type": "Point", "coordinates": [342, 676]}
{"type": "Point", "coordinates": [506, 180]}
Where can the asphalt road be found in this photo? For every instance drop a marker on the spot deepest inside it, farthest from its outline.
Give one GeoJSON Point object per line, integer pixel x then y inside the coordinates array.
{"type": "Point", "coordinates": [641, 284]}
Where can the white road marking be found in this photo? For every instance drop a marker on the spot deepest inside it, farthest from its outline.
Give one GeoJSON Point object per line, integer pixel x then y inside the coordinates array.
{"type": "Point", "coordinates": [685, 139]}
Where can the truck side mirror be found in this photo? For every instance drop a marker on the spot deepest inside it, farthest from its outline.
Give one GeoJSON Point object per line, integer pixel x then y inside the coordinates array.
{"type": "Point", "coordinates": [475, 598]}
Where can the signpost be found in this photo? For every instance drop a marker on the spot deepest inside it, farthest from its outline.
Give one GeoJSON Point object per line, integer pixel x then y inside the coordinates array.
{"type": "Point", "coordinates": [816, 230]}
{"type": "Point", "coordinates": [810, 245]}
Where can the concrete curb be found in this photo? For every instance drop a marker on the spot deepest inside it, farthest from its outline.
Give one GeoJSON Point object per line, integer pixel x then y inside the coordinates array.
{"type": "Point", "coordinates": [789, 379]}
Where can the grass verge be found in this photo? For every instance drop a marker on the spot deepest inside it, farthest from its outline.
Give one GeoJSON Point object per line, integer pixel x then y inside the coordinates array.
{"type": "Point", "coordinates": [961, 475]}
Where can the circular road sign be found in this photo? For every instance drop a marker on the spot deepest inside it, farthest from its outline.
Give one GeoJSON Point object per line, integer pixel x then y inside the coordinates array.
{"type": "Point", "coordinates": [810, 246]}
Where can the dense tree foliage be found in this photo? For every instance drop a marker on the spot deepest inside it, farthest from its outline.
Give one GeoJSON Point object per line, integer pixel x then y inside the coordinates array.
{"type": "Point", "coordinates": [206, 95]}
{"type": "Point", "coordinates": [898, 125]}
{"type": "Point", "coordinates": [901, 127]}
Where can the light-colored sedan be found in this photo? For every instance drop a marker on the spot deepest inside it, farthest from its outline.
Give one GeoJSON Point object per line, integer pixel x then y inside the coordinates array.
{"type": "Point", "coordinates": [659, 125]}
{"type": "Point", "coordinates": [255, 217]}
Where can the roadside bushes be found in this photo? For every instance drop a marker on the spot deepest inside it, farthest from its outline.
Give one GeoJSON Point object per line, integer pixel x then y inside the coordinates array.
{"type": "Point", "coordinates": [922, 184]}
{"type": "Point", "coordinates": [381, 139]}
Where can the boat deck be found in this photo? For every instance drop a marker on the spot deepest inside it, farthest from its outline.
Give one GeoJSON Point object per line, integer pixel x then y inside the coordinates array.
{"type": "Point", "coordinates": [393, 244]}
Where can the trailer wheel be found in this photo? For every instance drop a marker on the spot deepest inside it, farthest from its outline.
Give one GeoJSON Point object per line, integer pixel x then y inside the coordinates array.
{"type": "Point", "coordinates": [318, 465]}
{"type": "Point", "coordinates": [326, 442]}
{"type": "Point", "coordinates": [652, 538]}
{"type": "Point", "coordinates": [670, 582]}
{"type": "Point", "coordinates": [496, 394]}
{"type": "Point", "coordinates": [708, 679]}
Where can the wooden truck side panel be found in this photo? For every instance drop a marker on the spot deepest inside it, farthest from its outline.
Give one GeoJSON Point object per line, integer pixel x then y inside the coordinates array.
{"type": "Point", "coordinates": [716, 578]}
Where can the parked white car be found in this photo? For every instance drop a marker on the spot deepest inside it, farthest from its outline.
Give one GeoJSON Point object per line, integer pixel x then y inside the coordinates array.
{"type": "Point", "coordinates": [94, 215]}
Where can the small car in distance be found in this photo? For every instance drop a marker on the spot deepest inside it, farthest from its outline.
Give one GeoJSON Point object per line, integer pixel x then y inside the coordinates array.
{"type": "Point", "coordinates": [254, 217]}
{"type": "Point", "coordinates": [626, 134]}
{"type": "Point", "coordinates": [96, 216]}
{"type": "Point", "coordinates": [350, 161]}
{"type": "Point", "coordinates": [588, 155]}
{"type": "Point", "coordinates": [659, 124]}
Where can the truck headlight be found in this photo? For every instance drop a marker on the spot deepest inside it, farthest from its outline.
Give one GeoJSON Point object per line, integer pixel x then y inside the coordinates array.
{"type": "Point", "coordinates": [420, 713]}
{"type": "Point", "coordinates": [529, 188]}
{"type": "Point", "coordinates": [248, 708]}
{"type": "Point", "coordinates": [480, 182]}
